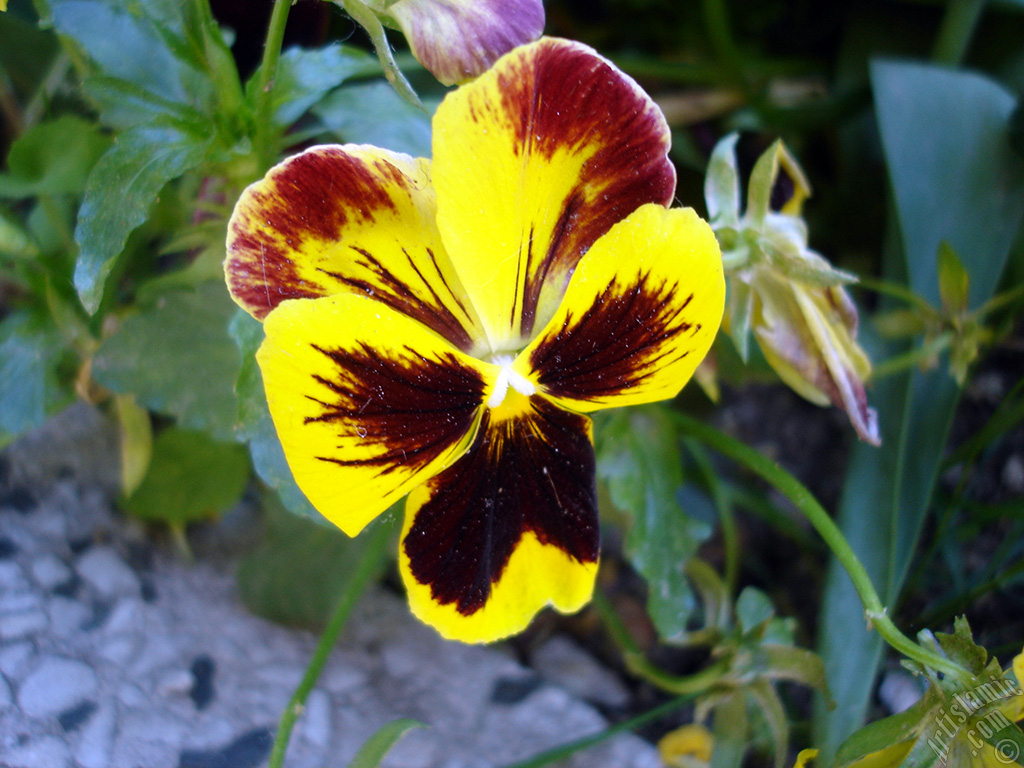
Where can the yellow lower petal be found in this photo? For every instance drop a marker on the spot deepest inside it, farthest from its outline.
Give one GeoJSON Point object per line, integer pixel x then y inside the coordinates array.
{"type": "Point", "coordinates": [507, 530]}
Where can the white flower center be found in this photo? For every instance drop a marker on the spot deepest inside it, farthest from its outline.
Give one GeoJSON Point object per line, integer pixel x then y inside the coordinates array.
{"type": "Point", "coordinates": [508, 378]}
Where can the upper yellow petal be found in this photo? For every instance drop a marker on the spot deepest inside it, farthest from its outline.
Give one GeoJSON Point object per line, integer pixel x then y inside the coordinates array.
{"type": "Point", "coordinates": [640, 313]}
{"type": "Point", "coordinates": [367, 402]}
{"type": "Point", "coordinates": [533, 162]}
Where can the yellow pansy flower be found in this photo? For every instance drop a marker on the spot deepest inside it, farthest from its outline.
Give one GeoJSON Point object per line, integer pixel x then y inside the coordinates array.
{"type": "Point", "coordinates": [442, 327]}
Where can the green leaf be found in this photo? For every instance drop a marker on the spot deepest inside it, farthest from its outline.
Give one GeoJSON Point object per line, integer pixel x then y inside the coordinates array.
{"type": "Point", "coordinates": [295, 574]}
{"type": "Point", "coordinates": [305, 76]}
{"type": "Point", "coordinates": [53, 158]}
{"type": "Point", "coordinates": [730, 731]}
{"type": "Point", "coordinates": [372, 113]}
{"type": "Point", "coordinates": [753, 608]}
{"type": "Point", "coordinates": [190, 477]}
{"type": "Point", "coordinates": [124, 105]}
{"type": "Point", "coordinates": [372, 753]}
{"type": "Point", "coordinates": [639, 459]}
{"type": "Point", "coordinates": [954, 281]}
{"type": "Point", "coordinates": [177, 358]}
{"type": "Point", "coordinates": [256, 426]}
{"type": "Point", "coordinates": [722, 184]}
{"type": "Point", "coordinates": [143, 43]}
{"type": "Point", "coordinates": [25, 54]}
{"type": "Point", "coordinates": [29, 388]}
{"type": "Point", "coordinates": [888, 731]}
{"type": "Point", "coordinates": [964, 185]}
{"type": "Point", "coordinates": [121, 189]}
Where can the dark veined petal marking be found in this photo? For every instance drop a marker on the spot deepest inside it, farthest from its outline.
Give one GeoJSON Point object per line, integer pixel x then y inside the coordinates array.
{"type": "Point", "coordinates": [617, 343]}
{"type": "Point", "coordinates": [641, 311]}
{"type": "Point", "coordinates": [367, 402]}
{"type": "Point", "coordinates": [527, 487]}
{"type": "Point", "coordinates": [408, 405]}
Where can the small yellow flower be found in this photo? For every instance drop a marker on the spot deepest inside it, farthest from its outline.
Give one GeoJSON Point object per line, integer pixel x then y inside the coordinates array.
{"type": "Point", "coordinates": [442, 327]}
{"type": "Point", "coordinates": [689, 746]}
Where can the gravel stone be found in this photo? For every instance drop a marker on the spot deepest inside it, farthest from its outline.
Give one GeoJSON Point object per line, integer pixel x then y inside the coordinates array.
{"type": "Point", "coordinates": [16, 626]}
{"type": "Point", "coordinates": [316, 720]}
{"type": "Point", "coordinates": [564, 663]}
{"type": "Point", "coordinates": [49, 571]}
{"type": "Point", "coordinates": [15, 657]}
{"type": "Point", "coordinates": [56, 685]}
{"type": "Point", "coordinates": [108, 573]}
{"type": "Point", "coordinates": [67, 617]}
{"type": "Point", "coordinates": [97, 739]}
{"type": "Point", "coordinates": [43, 752]}
{"type": "Point", "coordinates": [6, 695]}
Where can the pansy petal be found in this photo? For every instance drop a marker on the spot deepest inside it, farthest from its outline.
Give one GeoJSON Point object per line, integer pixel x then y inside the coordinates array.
{"type": "Point", "coordinates": [344, 219]}
{"type": "Point", "coordinates": [367, 402]}
{"type": "Point", "coordinates": [508, 529]}
{"type": "Point", "coordinates": [533, 162]}
{"type": "Point", "coordinates": [459, 39]}
{"type": "Point", "coordinates": [640, 313]}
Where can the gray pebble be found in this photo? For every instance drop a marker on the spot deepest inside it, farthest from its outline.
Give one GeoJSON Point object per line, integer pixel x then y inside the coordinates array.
{"type": "Point", "coordinates": [56, 685]}
{"type": "Point", "coordinates": [97, 739]}
{"type": "Point", "coordinates": [6, 695]}
{"type": "Point", "coordinates": [50, 571]}
{"type": "Point", "coordinates": [107, 572]}
{"type": "Point", "coordinates": [43, 752]}
{"type": "Point", "coordinates": [17, 626]}
{"type": "Point", "coordinates": [316, 720]}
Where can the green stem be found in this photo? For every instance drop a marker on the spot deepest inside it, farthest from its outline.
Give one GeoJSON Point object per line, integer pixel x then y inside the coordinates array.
{"type": "Point", "coordinates": [366, 570]}
{"type": "Point", "coordinates": [636, 661]}
{"type": "Point", "coordinates": [265, 151]}
{"type": "Point", "coordinates": [926, 353]}
{"type": "Point", "coordinates": [726, 515]}
{"type": "Point", "coordinates": [558, 754]}
{"type": "Point", "coordinates": [958, 25]}
{"type": "Point", "coordinates": [804, 500]}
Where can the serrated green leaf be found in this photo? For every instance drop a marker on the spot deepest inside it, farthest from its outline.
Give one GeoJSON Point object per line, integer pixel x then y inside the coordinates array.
{"type": "Point", "coordinates": [256, 427]}
{"type": "Point", "coordinates": [177, 358]}
{"type": "Point", "coordinates": [295, 574]}
{"type": "Point", "coordinates": [124, 105]}
{"type": "Point", "coordinates": [190, 477]}
{"type": "Point", "coordinates": [53, 158]}
{"type": "Point", "coordinates": [639, 459]}
{"type": "Point", "coordinates": [29, 388]}
{"type": "Point", "coordinates": [373, 752]}
{"type": "Point", "coordinates": [372, 113]}
{"type": "Point", "coordinates": [120, 191]}
{"type": "Point", "coordinates": [304, 76]}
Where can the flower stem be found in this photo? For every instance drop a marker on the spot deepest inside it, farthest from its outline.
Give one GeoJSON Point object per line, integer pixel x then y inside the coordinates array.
{"type": "Point", "coordinates": [874, 610]}
{"type": "Point", "coordinates": [265, 84]}
{"type": "Point", "coordinates": [636, 661]}
{"type": "Point", "coordinates": [958, 25]}
{"type": "Point", "coordinates": [365, 571]}
{"type": "Point", "coordinates": [559, 754]}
